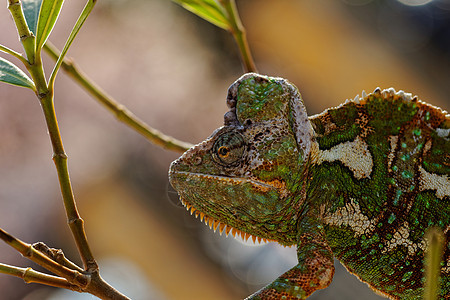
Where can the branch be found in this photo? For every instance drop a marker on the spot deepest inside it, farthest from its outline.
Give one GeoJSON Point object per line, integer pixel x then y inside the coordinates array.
{"type": "Point", "coordinates": [121, 112]}
{"type": "Point", "coordinates": [87, 280]}
{"type": "Point", "coordinates": [31, 276]}
{"type": "Point", "coordinates": [74, 220]}
{"type": "Point", "coordinates": [28, 251]}
{"type": "Point", "coordinates": [73, 279]}
{"type": "Point", "coordinates": [45, 96]}
{"type": "Point", "coordinates": [239, 34]}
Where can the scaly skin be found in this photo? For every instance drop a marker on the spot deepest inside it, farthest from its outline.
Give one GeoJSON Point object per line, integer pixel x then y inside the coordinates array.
{"type": "Point", "coordinates": [360, 182]}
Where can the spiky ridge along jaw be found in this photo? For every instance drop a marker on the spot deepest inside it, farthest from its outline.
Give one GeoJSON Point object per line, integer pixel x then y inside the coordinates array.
{"type": "Point", "coordinates": [222, 227]}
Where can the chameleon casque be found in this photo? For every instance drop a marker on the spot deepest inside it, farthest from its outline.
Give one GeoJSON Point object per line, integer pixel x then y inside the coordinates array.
{"type": "Point", "coordinates": [360, 182]}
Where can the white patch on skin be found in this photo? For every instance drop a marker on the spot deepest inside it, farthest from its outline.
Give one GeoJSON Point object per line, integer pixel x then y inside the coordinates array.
{"type": "Point", "coordinates": [351, 215]}
{"type": "Point", "coordinates": [393, 140]}
{"type": "Point", "coordinates": [401, 238]}
{"type": "Point", "coordinates": [354, 155]}
{"type": "Point", "coordinates": [429, 181]}
{"type": "Point", "coordinates": [443, 133]}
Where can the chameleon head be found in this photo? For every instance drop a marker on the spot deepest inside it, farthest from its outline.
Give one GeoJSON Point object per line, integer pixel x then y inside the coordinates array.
{"type": "Point", "coordinates": [248, 176]}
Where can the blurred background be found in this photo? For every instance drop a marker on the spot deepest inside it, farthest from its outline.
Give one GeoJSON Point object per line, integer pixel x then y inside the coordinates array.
{"type": "Point", "coordinates": [173, 69]}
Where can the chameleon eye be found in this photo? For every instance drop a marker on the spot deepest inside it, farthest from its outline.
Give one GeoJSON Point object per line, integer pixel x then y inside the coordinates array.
{"type": "Point", "coordinates": [223, 151]}
{"type": "Point", "coordinates": [228, 148]}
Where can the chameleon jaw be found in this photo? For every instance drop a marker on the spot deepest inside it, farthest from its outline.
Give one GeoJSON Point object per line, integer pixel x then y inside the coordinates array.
{"type": "Point", "coordinates": [179, 177]}
{"type": "Point", "coordinates": [223, 228]}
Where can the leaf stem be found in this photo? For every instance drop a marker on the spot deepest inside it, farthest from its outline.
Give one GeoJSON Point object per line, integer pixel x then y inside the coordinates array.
{"type": "Point", "coordinates": [31, 276]}
{"type": "Point", "coordinates": [239, 34]}
{"type": "Point", "coordinates": [25, 35]}
{"type": "Point", "coordinates": [120, 111]}
{"type": "Point", "coordinates": [14, 53]}
{"type": "Point", "coordinates": [81, 19]}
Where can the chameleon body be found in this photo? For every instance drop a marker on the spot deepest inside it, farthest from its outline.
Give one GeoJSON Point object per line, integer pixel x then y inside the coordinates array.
{"type": "Point", "coordinates": [361, 182]}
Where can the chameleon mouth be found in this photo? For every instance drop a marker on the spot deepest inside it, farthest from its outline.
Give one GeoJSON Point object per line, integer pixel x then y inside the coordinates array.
{"type": "Point", "coordinates": [257, 184]}
{"type": "Point", "coordinates": [222, 227]}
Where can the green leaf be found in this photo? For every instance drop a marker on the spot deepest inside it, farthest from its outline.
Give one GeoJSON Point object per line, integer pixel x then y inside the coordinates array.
{"type": "Point", "coordinates": [209, 10]}
{"type": "Point", "coordinates": [31, 10]}
{"type": "Point", "coordinates": [11, 74]}
{"type": "Point", "coordinates": [47, 18]}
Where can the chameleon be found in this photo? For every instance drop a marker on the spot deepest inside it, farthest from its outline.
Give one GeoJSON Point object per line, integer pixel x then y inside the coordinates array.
{"type": "Point", "coordinates": [361, 182]}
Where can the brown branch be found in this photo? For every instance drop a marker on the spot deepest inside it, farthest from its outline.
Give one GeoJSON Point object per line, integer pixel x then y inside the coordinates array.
{"type": "Point", "coordinates": [31, 276]}
{"type": "Point", "coordinates": [85, 281]}
{"type": "Point", "coordinates": [28, 251]}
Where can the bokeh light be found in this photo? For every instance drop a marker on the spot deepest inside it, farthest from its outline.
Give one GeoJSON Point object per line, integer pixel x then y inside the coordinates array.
{"type": "Point", "coordinates": [415, 2]}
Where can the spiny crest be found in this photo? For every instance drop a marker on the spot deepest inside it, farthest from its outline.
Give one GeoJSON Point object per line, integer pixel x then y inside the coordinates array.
{"type": "Point", "coordinates": [390, 93]}
{"type": "Point", "coordinates": [386, 93]}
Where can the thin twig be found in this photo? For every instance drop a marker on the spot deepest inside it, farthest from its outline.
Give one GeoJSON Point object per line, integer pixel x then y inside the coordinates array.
{"type": "Point", "coordinates": [91, 282]}
{"type": "Point", "coordinates": [32, 254]}
{"type": "Point", "coordinates": [31, 276]}
{"type": "Point", "coordinates": [120, 111]}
